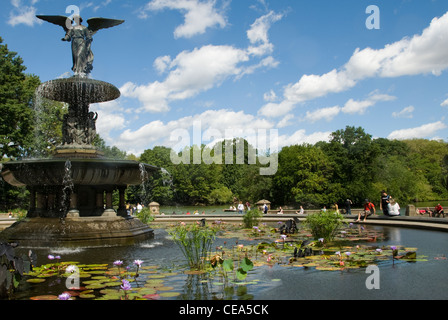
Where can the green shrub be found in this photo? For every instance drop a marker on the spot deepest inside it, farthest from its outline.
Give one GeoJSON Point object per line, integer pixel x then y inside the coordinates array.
{"type": "Point", "coordinates": [145, 215]}
{"type": "Point", "coordinates": [324, 224]}
{"type": "Point", "coordinates": [251, 218]}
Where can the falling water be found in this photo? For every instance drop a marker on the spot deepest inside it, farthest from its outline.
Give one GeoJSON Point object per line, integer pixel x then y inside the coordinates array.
{"type": "Point", "coordinates": [144, 178]}
{"type": "Point", "coordinates": [167, 178]}
{"type": "Point", "coordinates": [68, 186]}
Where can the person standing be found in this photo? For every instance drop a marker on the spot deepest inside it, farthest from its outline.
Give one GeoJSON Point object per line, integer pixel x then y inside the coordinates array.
{"type": "Point", "coordinates": [240, 207]}
{"type": "Point", "coordinates": [385, 200]}
{"type": "Point", "coordinates": [348, 208]}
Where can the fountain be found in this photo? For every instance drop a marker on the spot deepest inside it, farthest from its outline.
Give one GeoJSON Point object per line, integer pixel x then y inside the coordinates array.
{"type": "Point", "coordinates": [71, 193]}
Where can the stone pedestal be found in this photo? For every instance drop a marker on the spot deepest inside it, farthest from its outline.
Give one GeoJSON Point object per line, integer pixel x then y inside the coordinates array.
{"type": "Point", "coordinates": [410, 210]}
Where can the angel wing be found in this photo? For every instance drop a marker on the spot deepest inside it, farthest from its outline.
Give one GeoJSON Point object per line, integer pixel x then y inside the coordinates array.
{"type": "Point", "coordinates": [96, 24]}
{"type": "Point", "coordinates": [57, 20]}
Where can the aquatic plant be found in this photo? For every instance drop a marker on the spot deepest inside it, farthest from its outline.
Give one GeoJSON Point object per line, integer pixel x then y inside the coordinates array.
{"type": "Point", "coordinates": [195, 243]}
{"type": "Point", "coordinates": [252, 218]}
{"type": "Point", "coordinates": [324, 224]}
{"type": "Point", "coordinates": [12, 269]}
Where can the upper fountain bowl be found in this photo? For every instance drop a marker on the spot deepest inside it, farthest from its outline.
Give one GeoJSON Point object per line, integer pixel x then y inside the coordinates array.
{"type": "Point", "coordinates": [79, 90]}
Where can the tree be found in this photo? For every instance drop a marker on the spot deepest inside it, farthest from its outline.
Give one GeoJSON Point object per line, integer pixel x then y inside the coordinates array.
{"type": "Point", "coordinates": [353, 155]}
{"type": "Point", "coordinates": [16, 95]}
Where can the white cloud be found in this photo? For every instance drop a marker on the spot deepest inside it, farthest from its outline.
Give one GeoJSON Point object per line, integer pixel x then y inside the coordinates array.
{"type": "Point", "coordinates": [198, 15]}
{"type": "Point", "coordinates": [199, 70]}
{"type": "Point", "coordinates": [405, 113]}
{"type": "Point", "coordinates": [271, 96]}
{"type": "Point", "coordinates": [23, 14]}
{"type": "Point", "coordinates": [323, 113]}
{"type": "Point", "coordinates": [421, 54]}
{"type": "Point", "coordinates": [360, 107]}
{"type": "Point", "coordinates": [286, 121]}
{"type": "Point", "coordinates": [300, 137]}
{"type": "Point", "coordinates": [191, 72]}
{"type": "Point", "coordinates": [424, 131]}
{"type": "Point", "coordinates": [258, 34]}
{"type": "Point", "coordinates": [444, 103]}
{"type": "Point", "coordinates": [158, 132]}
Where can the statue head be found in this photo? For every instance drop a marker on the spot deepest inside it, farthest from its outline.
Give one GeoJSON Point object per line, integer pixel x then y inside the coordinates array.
{"type": "Point", "coordinates": [77, 19]}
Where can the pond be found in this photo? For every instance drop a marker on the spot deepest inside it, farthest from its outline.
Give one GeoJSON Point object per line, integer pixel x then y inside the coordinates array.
{"type": "Point", "coordinates": [165, 272]}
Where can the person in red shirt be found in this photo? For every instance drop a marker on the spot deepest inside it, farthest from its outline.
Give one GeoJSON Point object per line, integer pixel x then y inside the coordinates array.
{"type": "Point", "coordinates": [369, 208]}
{"type": "Point", "coordinates": [438, 210]}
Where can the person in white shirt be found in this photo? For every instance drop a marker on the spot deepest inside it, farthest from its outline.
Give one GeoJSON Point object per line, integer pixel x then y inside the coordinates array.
{"type": "Point", "coordinates": [394, 207]}
{"type": "Point", "coordinates": [240, 207]}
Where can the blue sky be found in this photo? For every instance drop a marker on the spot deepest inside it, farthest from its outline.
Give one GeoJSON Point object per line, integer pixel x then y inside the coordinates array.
{"type": "Point", "coordinates": [304, 68]}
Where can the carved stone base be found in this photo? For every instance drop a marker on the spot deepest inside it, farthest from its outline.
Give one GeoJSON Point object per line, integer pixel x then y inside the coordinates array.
{"type": "Point", "coordinates": [78, 153]}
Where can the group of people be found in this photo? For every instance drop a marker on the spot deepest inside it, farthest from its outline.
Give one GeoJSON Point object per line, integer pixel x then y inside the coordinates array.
{"type": "Point", "coordinates": [438, 211]}
{"type": "Point", "coordinates": [388, 205]}
{"type": "Point", "coordinates": [133, 209]}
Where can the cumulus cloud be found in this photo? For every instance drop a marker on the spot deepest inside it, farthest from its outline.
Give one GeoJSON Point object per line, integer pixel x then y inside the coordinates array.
{"type": "Point", "coordinates": [190, 73]}
{"type": "Point", "coordinates": [423, 131]}
{"type": "Point", "coordinates": [198, 15]}
{"type": "Point", "coordinates": [23, 13]}
{"type": "Point", "coordinates": [199, 70]}
{"type": "Point", "coordinates": [360, 106]}
{"type": "Point", "coordinates": [323, 113]}
{"type": "Point", "coordinates": [301, 137]}
{"type": "Point", "coordinates": [258, 34]}
{"type": "Point", "coordinates": [157, 132]}
{"type": "Point", "coordinates": [421, 54]}
{"type": "Point", "coordinates": [351, 107]}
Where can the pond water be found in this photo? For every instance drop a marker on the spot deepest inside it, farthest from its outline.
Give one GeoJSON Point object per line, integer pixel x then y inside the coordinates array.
{"type": "Point", "coordinates": [401, 280]}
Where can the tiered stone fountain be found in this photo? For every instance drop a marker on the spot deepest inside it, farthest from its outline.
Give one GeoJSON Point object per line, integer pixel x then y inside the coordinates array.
{"type": "Point", "coordinates": [71, 193]}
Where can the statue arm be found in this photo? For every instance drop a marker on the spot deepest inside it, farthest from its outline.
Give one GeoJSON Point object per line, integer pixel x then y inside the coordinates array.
{"type": "Point", "coordinates": [67, 36]}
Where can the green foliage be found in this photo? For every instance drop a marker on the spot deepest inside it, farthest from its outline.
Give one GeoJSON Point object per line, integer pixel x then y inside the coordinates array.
{"type": "Point", "coordinates": [195, 243]}
{"type": "Point", "coordinates": [12, 269]}
{"type": "Point", "coordinates": [324, 224]}
{"type": "Point", "coordinates": [251, 218]}
{"type": "Point", "coordinates": [145, 215]}
{"type": "Point", "coordinates": [16, 95]}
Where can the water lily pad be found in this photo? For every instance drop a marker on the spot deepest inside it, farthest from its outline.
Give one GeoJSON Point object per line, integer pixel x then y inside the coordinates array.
{"type": "Point", "coordinates": [145, 291]}
{"type": "Point", "coordinates": [163, 288]}
{"type": "Point", "coordinates": [169, 294]}
{"type": "Point", "coordinates": [87, 296]}
{"type": "Point", "coordinates": [152, 296]}
{"type": "Point", "coordinates": [35, 280]}
{"type": "Point", "coordinates": [45, 297]}
{"type": "Point", "coordinates": [195, 272]}
{"type": "Point", "coordinates": [153, 282]}
{"type": "Point", "coordinates": [99, 285]}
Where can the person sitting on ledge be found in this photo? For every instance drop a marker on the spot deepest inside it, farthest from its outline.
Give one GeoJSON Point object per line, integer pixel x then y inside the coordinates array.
{"type": "Point", "coordinates": [422, 212]}
{"type": "Point", "coordinates": [393, 207]}
{"type": "Point", "coordinates": [368, 208]}
{"type": "Point", "coordinates": [438, 210]}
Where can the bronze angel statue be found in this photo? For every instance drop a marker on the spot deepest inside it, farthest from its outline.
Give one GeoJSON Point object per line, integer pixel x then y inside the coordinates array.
{"type": "Point", "coordinates": [81, 38]}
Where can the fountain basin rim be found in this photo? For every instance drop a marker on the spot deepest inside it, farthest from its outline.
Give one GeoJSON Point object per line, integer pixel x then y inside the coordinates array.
{"type": "Point", "coordinates": [87, 90]}
{"type": "Point", "coordinates": [93, 172]}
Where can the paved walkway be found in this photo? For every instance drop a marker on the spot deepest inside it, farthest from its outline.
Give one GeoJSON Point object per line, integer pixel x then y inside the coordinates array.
{"type": "Point", "coordinates": [440, 224]}
{"type": "Point", "coordinates": [399, 221]}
